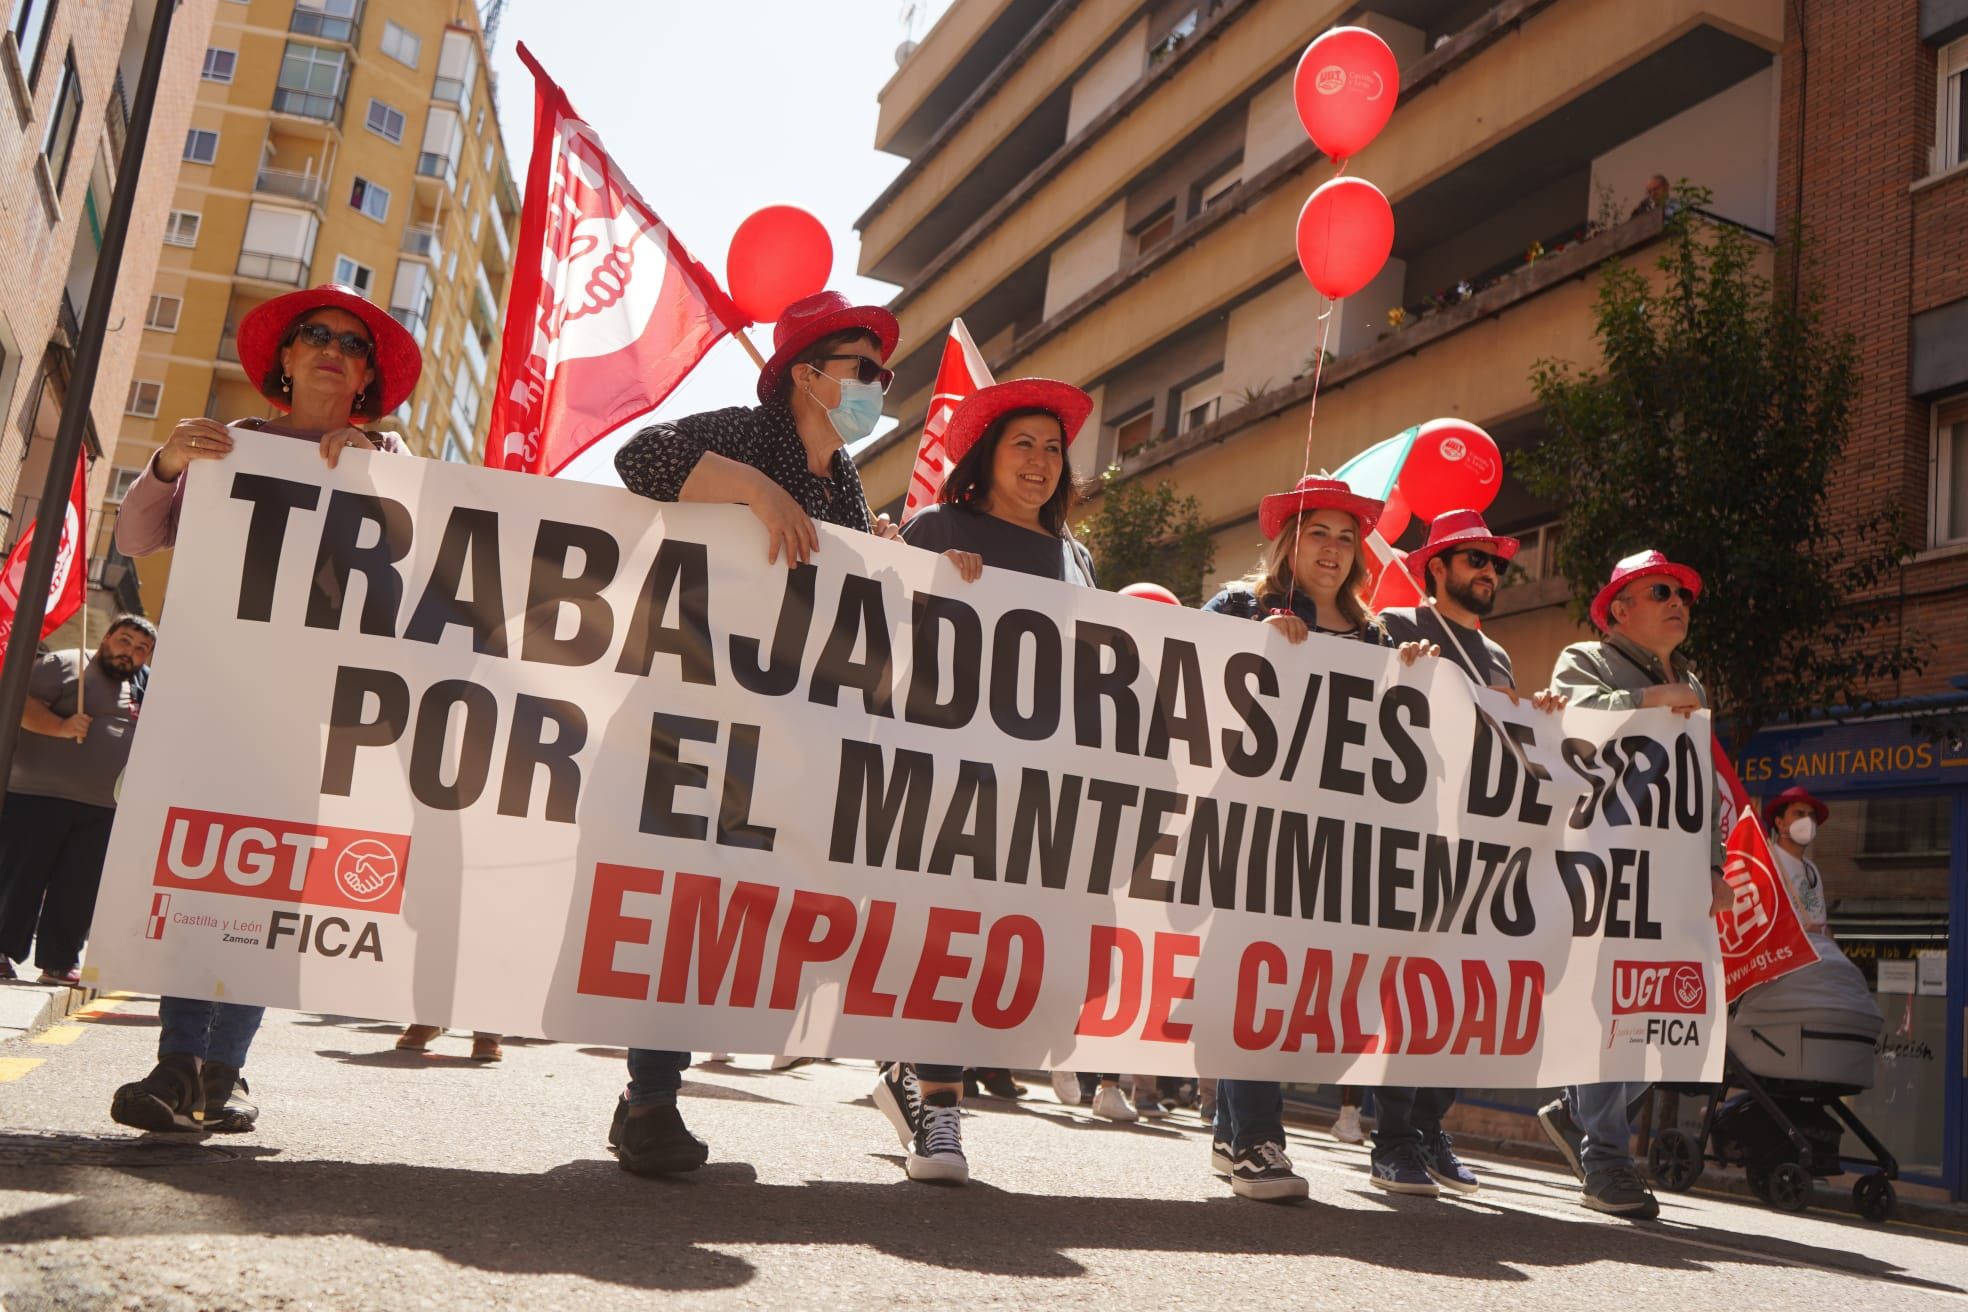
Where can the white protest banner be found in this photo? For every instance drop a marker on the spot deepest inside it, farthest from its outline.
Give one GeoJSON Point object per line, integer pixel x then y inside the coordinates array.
{"type": "Point", "coordinates": [507, 753]}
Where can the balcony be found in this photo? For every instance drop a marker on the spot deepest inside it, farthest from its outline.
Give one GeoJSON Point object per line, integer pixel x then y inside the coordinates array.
{"type": "Point", "coordinates": [416, 321]}
{"type": "Point", "coordinates": [266, 266]}
{"type": "Point", "coordinates": [320, 106]}
{"type": "Point", "coordinates": [423, 242]}
{"type": "Point", "coordinates": [344, 30]}
{"type": "Point", "coordinates": [308, 188]}
{"type": "Point", "coordinates": [452, 91]}
{"type": "Point", "coordinates": [485, 306]}
{"type": "Point", "coordinates": [475, 357]}
{"type": "Point", "coordinates": [437, 167]}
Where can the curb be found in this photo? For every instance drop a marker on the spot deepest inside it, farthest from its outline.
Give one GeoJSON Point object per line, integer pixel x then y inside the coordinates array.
{"type": "Point", "coordinates": [21, 1019]}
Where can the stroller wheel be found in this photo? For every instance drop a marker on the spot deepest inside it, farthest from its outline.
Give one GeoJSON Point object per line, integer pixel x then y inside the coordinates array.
{"type": "Point", "coordinates": [1873, 1196]}
{"type": "Point", "coordinates": [1789, 1187]}
{"type": "Point", "coordinates": [1675, 1160]}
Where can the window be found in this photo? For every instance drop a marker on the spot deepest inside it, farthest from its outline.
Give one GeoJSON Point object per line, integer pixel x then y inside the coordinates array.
{"type": "Point", "coordinates": [478, 121]}
{"type": "Point", "coordinates": [1153, 228]}
{"type": "Point", "coordinates": [31, 19]}
{"type": "Point", "coordinates": [1199, 402]}
{"type": "Point", "coordinates": [145, 396]}
{"type": "Point", "coordinates": [464, 195]}
{"type": "Point", "coordinates": [331, 20]}
{"type": "Point", "coordinates": [163, 313]}
{"type": "Point", "coordinates": [201, 147]}
{"type": "Point", "coordinates": [400, 44]}
{"type": "Point", "coordinates": [1951, 136]}
{"type": "Point", "coordinates": [370, 199]}
{"type": "Point", "coordinates": [350, 274]}
{"type": "Point", "coordinates": [120, 479]}
{"type": "Point", "coordinates": [454, 451]}
{"type": "Point", "coordinates": [219, 64]}
{"type": "Point", "coordinates": [59, 144]}
{"type": "Point", "coordinates": [181, 228]}
{"type": "Point", "coordinates": [1131, 431]}
{"type": "Point", "coordinates": [310, 82]}
{"type": "Point", "coordinates": [1951, 472]}
{"type": "Point", "coordinates": [1216, 186]}
{"type": "Point", "coordinates": [386, 121]}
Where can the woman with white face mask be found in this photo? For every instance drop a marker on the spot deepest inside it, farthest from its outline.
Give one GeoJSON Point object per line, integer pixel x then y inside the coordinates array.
{"type": "Point", "coordinates": [1794, 818]}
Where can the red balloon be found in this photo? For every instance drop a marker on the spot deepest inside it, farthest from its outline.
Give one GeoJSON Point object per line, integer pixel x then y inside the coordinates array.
{"type": "Point", "coordinates": [777, 256]}
{"type": "Point", "coordinates": [1345, 88]}
{"type": "Point", "coordinates": [1394, 517]}
{"type": "Point", "coordinates": [1394, 586]}
{"type": "Point", "coordinates": [1345, 234]}
{"type": "Point", "coordinates": [1151, 592]}
{"type": "Point", "coordinates": [1453, 465]}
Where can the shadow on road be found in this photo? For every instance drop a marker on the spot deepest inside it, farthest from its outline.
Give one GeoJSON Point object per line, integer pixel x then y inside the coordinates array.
{"type": "Point", "coordinates": [588, 1218]}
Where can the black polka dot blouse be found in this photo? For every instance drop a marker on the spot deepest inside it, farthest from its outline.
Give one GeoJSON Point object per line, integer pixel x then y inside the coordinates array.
{"type": "Point", "coordinates": [657, 460]}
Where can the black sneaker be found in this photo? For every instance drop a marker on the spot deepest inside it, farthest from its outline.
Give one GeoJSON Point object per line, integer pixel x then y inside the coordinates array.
{"type": "Point", "coordinates": [1402, 1170]}
{"type": "Point", "coordinates": [899, 1097]}
{"type": "Point", "coordinates": [1619, 1191]}
{"type": "Point", "coordinates": [168, 1100]}
{"type": "Point", "coordinates": [936, 1152]}
{"type": "Point", "coordinates": [1564, 1133]}
{"type": "Point", "coordinates": [1223, 1156]}
{"type": "Point", "coordinates": [656, 1142]}
{"type": "Point", "coordinates": [227, 1108]}
{"type": "Point", "coordinates": [1263, 1172]}
{"type": "Point", "coordinates": [1444, 1167]}
{"type": "Point", "coordinates": [998, 1082]}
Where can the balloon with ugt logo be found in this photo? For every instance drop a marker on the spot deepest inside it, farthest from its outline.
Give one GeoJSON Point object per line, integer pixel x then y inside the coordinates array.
{"type": "Point", "coordinates": [1345, 234]}
{"type": "Point", "coordinates": [1453, 465]}
{"type": "Point", "coordinates": [1344, 89]}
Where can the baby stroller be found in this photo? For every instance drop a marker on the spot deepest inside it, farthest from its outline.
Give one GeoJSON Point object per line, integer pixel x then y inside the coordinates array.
{"type": "Point", "coordinates": [1798, 1046]}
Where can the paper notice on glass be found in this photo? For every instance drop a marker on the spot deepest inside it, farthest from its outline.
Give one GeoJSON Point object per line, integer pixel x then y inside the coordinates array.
{"type": "Point", "coordinates": [1896, 976]}
{"type": "Point", "coordinates": [1931, 971]}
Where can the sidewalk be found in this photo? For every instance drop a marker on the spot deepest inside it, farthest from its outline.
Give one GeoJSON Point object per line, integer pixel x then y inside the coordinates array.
{"type": "Point", "coordinates": [26, 1007]}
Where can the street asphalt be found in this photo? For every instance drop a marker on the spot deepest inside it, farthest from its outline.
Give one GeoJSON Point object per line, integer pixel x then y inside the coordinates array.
{"type": "Point", "coordinates": [391, 1181]}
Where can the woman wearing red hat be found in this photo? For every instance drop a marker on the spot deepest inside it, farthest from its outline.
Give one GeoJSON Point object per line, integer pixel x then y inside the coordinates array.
{"type": "Point", "coordinates": [1004, 506]}
{"type": "Point", "coordinates": [1312, 580]}
{"type": "Point", "coordinates": [330, 360]}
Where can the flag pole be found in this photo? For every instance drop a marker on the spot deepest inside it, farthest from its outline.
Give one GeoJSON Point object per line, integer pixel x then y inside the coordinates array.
{"type": "Point", "coordinates": [32, 605]}
{"type": "Point", "coordinates": [750, 350]}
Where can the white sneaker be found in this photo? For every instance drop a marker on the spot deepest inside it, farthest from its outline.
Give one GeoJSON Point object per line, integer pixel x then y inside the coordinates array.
{"type": "Point", "coordinates": [723, 1058]}
{"type": "Point", "coordinates": [785, 1063]}
{"type": "Point", "coordinates": [1112, 1105]}
{"type": "Point", "coordinates": [936, 1153]}
{"type": "Point", "coordinates": [1066, 1088]}
{"type": "Point", "coordinates": [1347, 1128]}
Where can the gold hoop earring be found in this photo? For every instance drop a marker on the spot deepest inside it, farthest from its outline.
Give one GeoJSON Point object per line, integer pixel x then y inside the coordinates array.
{"type": "Point", "coordinates": [286, 383]}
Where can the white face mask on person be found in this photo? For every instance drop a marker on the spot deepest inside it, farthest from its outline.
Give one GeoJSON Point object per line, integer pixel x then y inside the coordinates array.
{"type": "Point", "coordinates": [859, 410]}
{"type": "Point", "coordinates": [1802, 830]}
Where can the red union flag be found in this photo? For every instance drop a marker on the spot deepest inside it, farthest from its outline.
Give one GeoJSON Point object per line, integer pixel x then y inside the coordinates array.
{"type": "Point", "coordinates": [607, 313]}
{"type": "Point", "coordinates": [1761, 935]}
{"type": "Point", "coordinates": [962, 372]}
{"type": "Point", "coordinates": [65, 584]}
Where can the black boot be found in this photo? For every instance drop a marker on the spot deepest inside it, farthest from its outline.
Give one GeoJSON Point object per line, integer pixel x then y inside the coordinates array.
{"type": "Point", "coordinates": [169, 1099]}
{"type": "Point", "coordinates": [227, 1108]}
{"type": "Point", "coordinates": [656, 1142]}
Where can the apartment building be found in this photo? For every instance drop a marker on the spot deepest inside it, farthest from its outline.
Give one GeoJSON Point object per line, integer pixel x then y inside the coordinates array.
{"type": "Point", "coordinates": [1106, 192]}
{"type": "Point", "coordinates": [70, 69]}
{"type": "Point", "coordinates": [350, 141]}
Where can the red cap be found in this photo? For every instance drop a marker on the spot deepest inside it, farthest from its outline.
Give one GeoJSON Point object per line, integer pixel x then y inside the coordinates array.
{"type": "Point", "coordinates": [1316, 493]}
{"type": "Point", "coordinates": [1639, 566]}
{"type": "Point", "coordinates": [397, 358]}
{"type": "Point", "coordinates": [1457, 528]}
{"type": "Point", "coordinates": [810, 318]}
{"type": "Point", "coordinates": [1789, 797]}
{"type": "Point", "coordinates": [976, 412]}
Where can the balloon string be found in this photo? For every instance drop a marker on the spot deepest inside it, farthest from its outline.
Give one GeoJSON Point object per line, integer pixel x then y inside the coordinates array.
{"type": "Point", "coordinates": [1311, 417]}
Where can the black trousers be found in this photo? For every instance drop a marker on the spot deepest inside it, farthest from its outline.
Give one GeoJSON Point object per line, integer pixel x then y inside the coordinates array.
{"type": "Point", "coordinates": [51, 862]}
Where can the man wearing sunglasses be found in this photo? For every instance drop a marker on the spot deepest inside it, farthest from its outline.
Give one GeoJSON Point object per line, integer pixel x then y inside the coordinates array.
{"type": "Point", "coordinates": [1644, 611]}
{"type": "Point", "coordinates": [787, 462]}
{"type": "Point", "coordinates": [1460, 568]}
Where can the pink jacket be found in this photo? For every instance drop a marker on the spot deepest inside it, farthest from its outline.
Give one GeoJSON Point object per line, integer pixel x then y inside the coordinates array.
{"type": "Point", "coordinates": [148, 520]}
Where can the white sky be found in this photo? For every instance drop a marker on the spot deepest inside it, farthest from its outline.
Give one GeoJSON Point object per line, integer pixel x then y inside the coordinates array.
{"type": "Point", "coordinates": [714, 110]}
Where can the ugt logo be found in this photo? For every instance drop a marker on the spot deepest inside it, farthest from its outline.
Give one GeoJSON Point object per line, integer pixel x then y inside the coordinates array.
{"type": "Point", "coordinates": [283, 861]}
{"type": "Point", "coordinates": [1661, 987]}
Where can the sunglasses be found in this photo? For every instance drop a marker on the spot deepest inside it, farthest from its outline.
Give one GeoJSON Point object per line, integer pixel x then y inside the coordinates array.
{"type": "Point", "coordinates": [354, 345]}
{"type": "Point", "coordinates": [1483, 559]}
{"type": "Point", "coordinates": [1663, 591]}
{"type": "Point", "coordinates": [869, 371]}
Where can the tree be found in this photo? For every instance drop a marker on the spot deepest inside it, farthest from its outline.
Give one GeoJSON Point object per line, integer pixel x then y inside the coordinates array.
{"type": "Point", "coordinates": [1142, 534]}
{"type": "Point", "coordinates": [1714, 431]}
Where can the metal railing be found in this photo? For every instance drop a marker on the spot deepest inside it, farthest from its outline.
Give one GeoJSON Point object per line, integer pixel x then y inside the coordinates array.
{"type": "Point", "coordinates": [71, 322]}
{"type": "Point", "coordinates": [289, 269]}
{"type": "Point", "coordinates": [308, 187]}
{"type": "Point", "coordinates": [421, 241]}
{"type": "Point", "coordinates": [431, 164]}
{"type": "Point", "coordinates": [311, 104]}
{"type": "Point", "coordinates": [308, 21]}
{"type": "Point", "coordinates": [118, 123]}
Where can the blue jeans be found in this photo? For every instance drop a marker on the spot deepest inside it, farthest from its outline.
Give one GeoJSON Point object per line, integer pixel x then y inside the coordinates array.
{"type": "Point", "coordinates": [1601, 1112]}
{"type": "Point", "coordinates": [209, 1031]}
{"type": "Point", "coordinates": [1250, 1112]}
{"type": "Point", "coordinates": [1410, 1116]}
{"type": "Point", "coordinates": [655, 1075]}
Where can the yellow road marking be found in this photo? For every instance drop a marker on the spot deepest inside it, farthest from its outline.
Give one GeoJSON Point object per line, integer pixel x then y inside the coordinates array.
{"type": "Point", "coordinates": [58, 1034]}
{"type": "Point", "coordinates": [12, 1068]}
